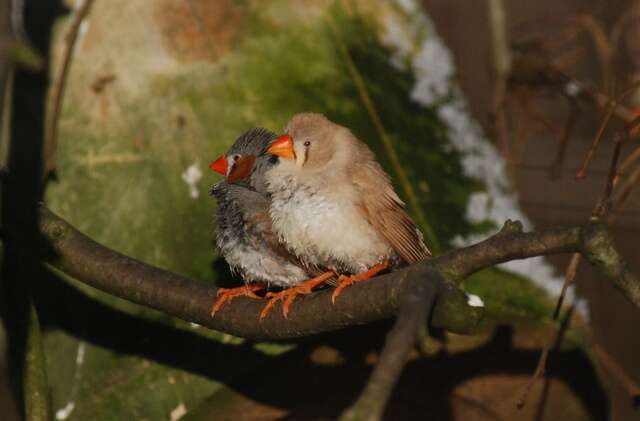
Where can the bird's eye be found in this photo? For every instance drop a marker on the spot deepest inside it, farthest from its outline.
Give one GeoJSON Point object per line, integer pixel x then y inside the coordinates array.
{"type": "Point", "coordinates": [236, 157]}
{"type": "Point", "coordinates": [307, 143]}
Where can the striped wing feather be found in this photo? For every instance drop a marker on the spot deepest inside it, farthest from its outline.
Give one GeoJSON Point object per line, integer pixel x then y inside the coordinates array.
{"type": "Point", "coordinates": [383, 209]}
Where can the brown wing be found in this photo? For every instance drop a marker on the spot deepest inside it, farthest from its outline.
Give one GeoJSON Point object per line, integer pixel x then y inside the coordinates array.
{"type": "Point", "coordinates": [382, 207]}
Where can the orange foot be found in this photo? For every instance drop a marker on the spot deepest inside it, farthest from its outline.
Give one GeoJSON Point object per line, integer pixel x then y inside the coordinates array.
{"type": "Point", "coordinates": [345, 281]}
{"type": "Point", "coordinates": [288, 295]}
{"type": "Point", "coordinates": [225, 295]}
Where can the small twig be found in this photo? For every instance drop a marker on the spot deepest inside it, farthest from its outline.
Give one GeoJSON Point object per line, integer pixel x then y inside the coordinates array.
{"type": "Point", "coordinates": [416, 304]}
{"type": "Point", "coordinates": [537, 374]}
{"type": "Point", "coordinates": [631, 159]}
{"type": "Point", "coordinates": [569, 278]}
{"type": "Point", "coordinates": [587, 93]}
{"type": "Point", "coordinates": [51, 138]}
{"type": "Point", "coordinates": [600, 210]}
{"type": "Point", "coordinates": [558, 162]}
{"type": "Point", "coordinates": [501, 69]}
{"type": "Point", "coordinates": [601, 44]}
{"type": "Point", "coordinates": [612, 106]}
{"type": "Point", "coordinates": [616, 207]}
{"type": "Point", "coordinates": [624, 42]}
{"type": "Point", "coordinates": [582, 173]}
{"type": "Point", "coordinates": [615, 173]}
{"type": "Point", "coordinates": [603, 206]}
{"type": "Point", "coordinates": [559, 338]}
{"type": "Point", "coordinates": [632, 388]}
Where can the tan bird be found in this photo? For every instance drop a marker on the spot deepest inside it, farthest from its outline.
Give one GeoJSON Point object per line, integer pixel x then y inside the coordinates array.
{"type": "Point", "coordinates": [333, 205]}
{"type": "Point", "coordinates": [245, 237]}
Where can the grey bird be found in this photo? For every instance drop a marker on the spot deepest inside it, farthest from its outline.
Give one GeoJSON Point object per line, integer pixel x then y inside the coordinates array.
{"type": "Point", "coordinates": [334, 206]}
{"type": "Point", "coordinates": [245, 237]}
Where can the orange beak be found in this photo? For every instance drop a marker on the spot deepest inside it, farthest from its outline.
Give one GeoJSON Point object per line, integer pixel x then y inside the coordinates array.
{"type": "Point", "coordinates": [219, 165]}
{"type": "Point", "coordinates": [283, 147]}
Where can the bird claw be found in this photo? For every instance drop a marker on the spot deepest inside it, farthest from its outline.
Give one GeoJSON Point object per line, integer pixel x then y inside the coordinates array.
{"type": "Point", "coordinates": [226, 295]}
{"type": "Point", "coordinates": [272, 302]}
{"type": "Point", "coordinates": [288, 296]}
{"type": "Point", "coordinates": [345, 281]}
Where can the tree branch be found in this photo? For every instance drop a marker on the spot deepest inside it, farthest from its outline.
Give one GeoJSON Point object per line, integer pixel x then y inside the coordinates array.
{"type": "Point", "coordinates": [91, 263]}
{"type": "Point", "coordinates": [416, 304]}
{"type": "Point", "coordinates": [107, 270]}
{"type": "Point", "coordinates": [598, 248]}
{"type": "Point", "coordinates": [51, 139]}
{"type": "Point", "coordinates": [509, 244]}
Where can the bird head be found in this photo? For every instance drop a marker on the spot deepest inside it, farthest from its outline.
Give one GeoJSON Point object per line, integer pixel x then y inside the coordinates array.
{"type": "Point", "coordinates": [309, 141]}
{"type": "Point", "coordinates": [234, 166]}
{"type": "Point", "coordinates": [239, 162]}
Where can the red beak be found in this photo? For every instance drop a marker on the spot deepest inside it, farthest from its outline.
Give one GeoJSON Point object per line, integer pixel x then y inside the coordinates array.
{"type": "Point", "coordinates": [219, 165]}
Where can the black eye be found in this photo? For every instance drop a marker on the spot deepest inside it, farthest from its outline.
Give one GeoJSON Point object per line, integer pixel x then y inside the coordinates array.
{"type": "Point", "coordinates": [236, 157]}
{"type": "Point", "coordinates": [307, 143]}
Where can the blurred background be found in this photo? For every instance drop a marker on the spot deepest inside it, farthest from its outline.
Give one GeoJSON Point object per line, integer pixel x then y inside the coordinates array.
{"type": "Point", "coordinates": [481, 111]}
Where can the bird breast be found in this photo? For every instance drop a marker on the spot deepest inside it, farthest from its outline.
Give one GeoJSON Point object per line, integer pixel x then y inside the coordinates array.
{"type": "Point", "coordinates": [244, 249]}
{"type": "Point", "coordinates": [325, 228]}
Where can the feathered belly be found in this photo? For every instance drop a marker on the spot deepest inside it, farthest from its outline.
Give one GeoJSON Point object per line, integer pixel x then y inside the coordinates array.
{"type": "Point", "coordinates": [247, 253]}
{"type": "Point", "coordinates": [326, 232]}
{"type": "Point", "coordinates": [257, 263]}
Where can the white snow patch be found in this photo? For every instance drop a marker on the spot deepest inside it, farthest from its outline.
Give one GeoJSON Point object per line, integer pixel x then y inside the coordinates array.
{"type": "Point", "coordinates": [398, 36]}
{"type": "Point", "coordinates": [178, 412]}
{"type": "Point", "coordinates": [478, 207]}
{"type": "Point", "coordinates": [63, 413]}
{"type": "Point", "coordinates": [433, 66]}
{"type": "Point", "coordinates": [192, 176]}
{"type": "Point", "coordinates": [413, 39]}
{"type": "Point", "coordinates": [474, 300]}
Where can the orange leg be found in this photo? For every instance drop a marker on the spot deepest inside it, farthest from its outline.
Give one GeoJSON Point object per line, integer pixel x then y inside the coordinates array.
{"type": "Point", "coordinates": [345, 281]}
{"type": "Point", "coordinates": [287, 296]}
{"type": "Point", "coordinates": [225, 295]}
